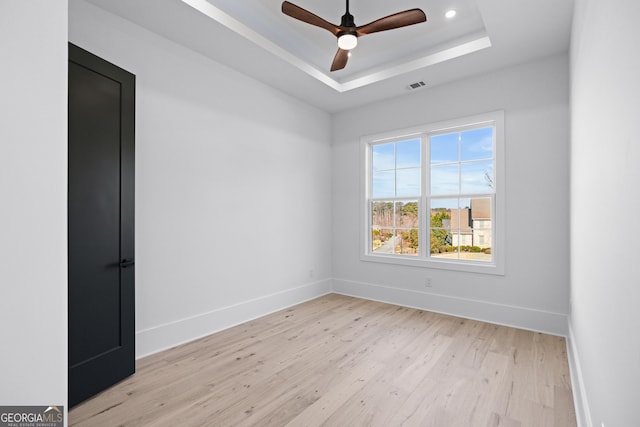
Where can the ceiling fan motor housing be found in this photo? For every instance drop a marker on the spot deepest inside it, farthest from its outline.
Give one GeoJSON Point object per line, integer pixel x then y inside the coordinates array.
{"type": "Point", "coordinates": [347, 20]}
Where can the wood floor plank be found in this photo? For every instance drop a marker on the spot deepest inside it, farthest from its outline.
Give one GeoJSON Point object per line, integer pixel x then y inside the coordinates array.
{"type": "Point", "coordinates": [337, 361]}
{"type": "Point", "coordinates": [344, 390]}
{"type": "Point", "coordinates": [497, 420]}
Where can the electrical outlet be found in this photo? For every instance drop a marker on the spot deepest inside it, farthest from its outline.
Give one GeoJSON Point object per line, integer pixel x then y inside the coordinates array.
{"type": "Point", "coordinates": [311, 273]}
{"type": "Point", "coordinates": [427, 282]}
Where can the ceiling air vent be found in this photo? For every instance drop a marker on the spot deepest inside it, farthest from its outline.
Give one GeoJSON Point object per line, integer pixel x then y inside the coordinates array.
{"type": "Point", "coordinates": [417, 85]}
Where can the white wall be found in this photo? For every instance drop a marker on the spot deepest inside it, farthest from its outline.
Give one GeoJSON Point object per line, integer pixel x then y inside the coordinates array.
{"type": "Point", "coordinates": [605, 201]}
{"type": "Point", "coordinates": [33, 191]}
{"type": "Point", "coordinates": [534, 292]}
{"type": "Point", "coordinates": [233, 187]}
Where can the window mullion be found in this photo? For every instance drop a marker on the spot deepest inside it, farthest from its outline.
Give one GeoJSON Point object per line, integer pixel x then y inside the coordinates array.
{"type": "Point", "coordinates": [425, 227]}
{"type": "Point", "coordinates": [395, 199]}
{"type": "Point", "coordinates": [459, 163]}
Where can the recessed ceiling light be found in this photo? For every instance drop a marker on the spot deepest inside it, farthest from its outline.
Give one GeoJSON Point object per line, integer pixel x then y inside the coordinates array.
{"type": "Point", "coordinates": [450, 13]}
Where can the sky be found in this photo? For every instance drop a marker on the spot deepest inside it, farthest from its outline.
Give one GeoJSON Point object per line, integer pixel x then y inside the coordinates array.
{"type": "Point", "coordinates": [459, 164]}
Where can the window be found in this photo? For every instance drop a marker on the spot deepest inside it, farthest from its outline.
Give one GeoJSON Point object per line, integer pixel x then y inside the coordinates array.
{"type": "Point", "coordinates": [433, 195]}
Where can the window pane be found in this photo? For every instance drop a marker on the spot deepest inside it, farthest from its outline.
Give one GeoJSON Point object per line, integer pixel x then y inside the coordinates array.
{"type": "Point", "coordinates": [408, 182]}
{"type": "Point", "coordinates": [482, 218]}
{"type": "Point", "coordinates": [383, 184]}
{"type": "Point", "coordinates": [382, 241]}
{"type": "Point", "coordinates": [476, 177]}
{"type": "Point", "coordinates": [467, 235]}
{"type": "Point", "coordinates": [407, 242]}
{"type": "Point", "coordinates": [476, 144]}
{"type": "Point", "coordinates": [444, 148]}
{"type": "Point", "coordinates": [382, 214]}
{"type": "Point", "coordinates": [445, 180]}
{"type": "Point", "coordinates": [408, 154]}
{"type": "Point", "coordinates": [383, 157]}
{"type": "Point", "coordinates": [407, 214]}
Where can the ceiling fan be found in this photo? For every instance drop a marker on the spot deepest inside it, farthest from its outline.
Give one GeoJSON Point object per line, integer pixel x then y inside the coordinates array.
{"type": "Point", "coordinates": [347, 32]}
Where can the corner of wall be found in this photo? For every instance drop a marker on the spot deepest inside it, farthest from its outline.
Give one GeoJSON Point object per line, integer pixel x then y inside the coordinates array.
{"type": "Point", "coordinates": [162, 337]}
{"type": "Point", "coordinates": [583, 415]}
{"type": "Point", "coordinates": [485, 311]}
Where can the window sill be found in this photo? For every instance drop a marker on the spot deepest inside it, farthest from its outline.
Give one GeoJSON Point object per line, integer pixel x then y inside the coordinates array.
{"type": "Point", "coordinates": [466, 266]}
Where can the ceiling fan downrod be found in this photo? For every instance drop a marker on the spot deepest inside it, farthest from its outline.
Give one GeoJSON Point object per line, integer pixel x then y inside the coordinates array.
{"type": "Point", "coordinates": [347, 19]}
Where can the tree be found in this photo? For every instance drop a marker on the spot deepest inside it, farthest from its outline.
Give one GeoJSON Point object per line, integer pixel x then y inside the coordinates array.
{"type": "Point", "coordinates": [382, 214]}
{"type": "Point", "coordinates": [413, 238]}
{"type": "Point", "coordinates": [408, 215]}
{"type": "Point", "coordinates": [488, 178]}
{"type": "Point", "coordinates": [439, 235]}
{"type": "Point", "coordinates": [409, 209]}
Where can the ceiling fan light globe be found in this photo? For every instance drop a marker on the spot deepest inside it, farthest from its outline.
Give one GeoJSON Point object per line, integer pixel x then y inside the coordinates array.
{"type": "Point", "coordinates": [347, 41]}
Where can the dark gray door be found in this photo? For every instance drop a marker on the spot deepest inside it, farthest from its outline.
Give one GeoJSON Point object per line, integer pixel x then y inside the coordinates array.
{"type": "Point", "coordinates": [101, 220]}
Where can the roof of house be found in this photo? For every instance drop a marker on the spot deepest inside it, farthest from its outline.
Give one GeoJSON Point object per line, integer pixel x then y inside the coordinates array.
{"type": "Point", "coordinates": [481, 208]}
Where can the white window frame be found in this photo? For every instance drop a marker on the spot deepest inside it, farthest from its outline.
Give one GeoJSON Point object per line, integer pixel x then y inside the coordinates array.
{"type": "Point", "coordinates": [496, 266]}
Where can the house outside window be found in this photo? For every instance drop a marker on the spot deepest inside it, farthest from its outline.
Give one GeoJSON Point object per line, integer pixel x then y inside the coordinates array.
{"type": "Point", "coordinates": [433, 195]}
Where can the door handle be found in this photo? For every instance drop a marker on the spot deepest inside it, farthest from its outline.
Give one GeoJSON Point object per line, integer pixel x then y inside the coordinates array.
{"type": "Point", "coordinates": [126, 263]}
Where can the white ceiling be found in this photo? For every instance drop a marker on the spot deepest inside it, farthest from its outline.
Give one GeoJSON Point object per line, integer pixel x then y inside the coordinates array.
{"type": "Point", "coordinates": [257, 39]}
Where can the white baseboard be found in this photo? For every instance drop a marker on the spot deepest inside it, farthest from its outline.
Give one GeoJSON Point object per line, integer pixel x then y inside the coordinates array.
{"type": "Point", "coordinates": [583, 415]}
{"type": "Point", "coordinates": [502, 314]}
{"type": "Point", "coordinates": [169, 335]}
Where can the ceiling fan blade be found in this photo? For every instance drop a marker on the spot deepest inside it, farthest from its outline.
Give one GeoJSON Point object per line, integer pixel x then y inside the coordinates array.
{"type": "Point", "coordinates": [397, 20]}
{"type": "Point", "coordinates": [304, 15]}
{"type": "Point", "coordinates": [340, 60]}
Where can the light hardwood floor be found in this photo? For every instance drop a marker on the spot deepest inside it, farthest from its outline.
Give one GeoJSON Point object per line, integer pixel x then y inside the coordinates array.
{"type": "Point", "coordinates": [342, 361]}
